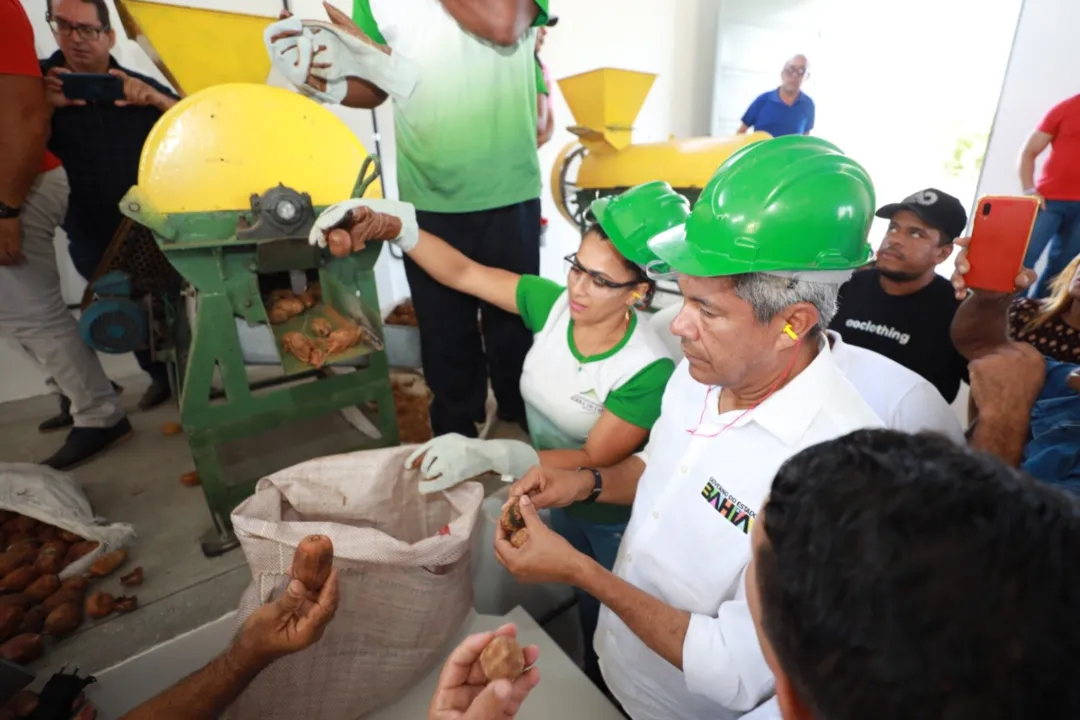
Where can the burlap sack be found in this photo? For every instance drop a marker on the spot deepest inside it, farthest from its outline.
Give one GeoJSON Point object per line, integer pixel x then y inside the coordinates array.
{"type": "Point", "coordinates": [405, 580]}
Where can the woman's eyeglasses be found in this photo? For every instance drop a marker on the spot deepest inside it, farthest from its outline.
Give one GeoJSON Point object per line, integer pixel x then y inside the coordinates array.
{"type": "Point", "coordinates": [63, 27]}
{"type": "Point", "coordinates": [575, 271]}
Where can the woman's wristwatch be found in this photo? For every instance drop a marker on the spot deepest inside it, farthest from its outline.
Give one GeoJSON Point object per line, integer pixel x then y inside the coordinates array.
{"type": "Point", "coordinates": [598, 484]}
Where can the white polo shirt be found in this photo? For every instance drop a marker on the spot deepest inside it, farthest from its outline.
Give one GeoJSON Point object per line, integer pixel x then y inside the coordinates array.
{"type": "Point", "coordinates": [688, 541]}
{"type": "Point", "coordinates": [902, 398]}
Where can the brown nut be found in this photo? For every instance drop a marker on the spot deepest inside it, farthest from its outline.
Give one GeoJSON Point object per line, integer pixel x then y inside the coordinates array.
{"type": "Point", "coordinates": [23, 648]}
{"type": "Point", "coordinates": [511, 521]}
{"type": "Point", "coordinates": [18, 580]}
{"type": "Point", "coordinates": [70, 537]}
{"type": "Point", "coordinates": [312, 561]}
{"type": "Point", "coordinates": [33, 621]}
{"type": "Point", "coordinates": [100, 604]}
{"type": "Point", "coordinates": [502, 658]}
{"type": "Point", "coordinates": [58, 545]}
{"type": "Point", "coordinates": [10, 620]}
{"type": "Point", "coordinates": [126, 603]}
{"type": "Point", "coordinates": [10, 562]}
{"type": "Point", "coordinates": [518, 538]}
{"type": "Point", "coordinates": [171, 428]}
{"type": "Point", "coordinates": [64, 620]}
{"type": "Point", "coordinates": [49, 562]}
{"type": "Point", "coordinates": [16, 600]}
{"type": "Point", "coordinates": [107, 563]}
{"type": "Point", "coordinates": [133, 578]}
{"type": "Point", "coordinates": [339, 242]}
{"type": "Point", "coordinates": [43, 587]}
{"type": "Point", "coordinates": [20, 524]}
{"type": "Point", "coordinates": [21, 541]}
{"type": "Point", "coordinates": [76, 584]}
{"type": "Point", "coordinates": [45, 533]}
{"type": "Point", "coordinates": [61, 597]}
{"type": "Point", "coordinates": [190, 479]}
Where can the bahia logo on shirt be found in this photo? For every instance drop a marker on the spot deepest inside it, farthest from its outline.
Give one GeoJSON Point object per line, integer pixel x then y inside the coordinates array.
{"type": "Point", "coordinates": [875, 329]}
{"type": "Point", "coordinates": [588, 400]}
{"type": "Point", "coordinates": [723, 502]}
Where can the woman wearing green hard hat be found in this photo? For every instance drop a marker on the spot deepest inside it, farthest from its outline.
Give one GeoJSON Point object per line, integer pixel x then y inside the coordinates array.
{"type": "Point", "coordinates": [759, 262]}
{"type": "Point", "coordinates": [593, 380]}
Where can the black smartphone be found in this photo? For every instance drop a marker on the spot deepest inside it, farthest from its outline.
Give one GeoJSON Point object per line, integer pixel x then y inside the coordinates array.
{"type": "Point", "coordinates": [92, 87]}
{"type": "Point", "coordinates": [13, 678]}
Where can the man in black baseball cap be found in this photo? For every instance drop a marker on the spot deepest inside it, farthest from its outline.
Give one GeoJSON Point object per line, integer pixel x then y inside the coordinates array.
{"type": "Point", "coordinates": [901, 307]}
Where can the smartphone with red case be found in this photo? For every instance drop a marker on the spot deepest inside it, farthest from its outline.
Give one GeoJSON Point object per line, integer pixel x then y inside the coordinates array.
{"type": "Point", "coordinates": [999, 241]}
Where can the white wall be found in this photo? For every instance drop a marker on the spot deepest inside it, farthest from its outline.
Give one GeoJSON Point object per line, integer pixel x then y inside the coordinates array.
{"type": "Point", "coordinates": [674, 39]}
{"type": "Point", "coordinates": [1042, 72]}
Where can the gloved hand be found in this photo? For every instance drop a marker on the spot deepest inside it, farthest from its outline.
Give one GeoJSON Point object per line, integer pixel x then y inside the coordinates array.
{"type": "Point", "coordinates": [333, 52]}
{"type": "Point", "coordinates": [449, 460]}
{"type": "Point", "coordinates": [331, 216]}
{"type": "Point", "coordinates": [298, 55]}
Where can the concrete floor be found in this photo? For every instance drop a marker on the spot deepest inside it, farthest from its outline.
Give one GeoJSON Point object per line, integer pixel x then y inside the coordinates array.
{"type": "Point", "coordinates": [138, 483]}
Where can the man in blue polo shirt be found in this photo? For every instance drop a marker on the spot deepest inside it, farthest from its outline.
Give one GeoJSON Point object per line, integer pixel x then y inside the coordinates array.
{"type": "Point", "coordinates": [786, 110]}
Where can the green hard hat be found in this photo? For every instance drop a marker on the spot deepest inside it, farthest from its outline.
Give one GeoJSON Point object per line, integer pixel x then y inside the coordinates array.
{"type": "Point", "coordinates": [792, 204]}
{"type": "Point", "coordinates": [636, 216]}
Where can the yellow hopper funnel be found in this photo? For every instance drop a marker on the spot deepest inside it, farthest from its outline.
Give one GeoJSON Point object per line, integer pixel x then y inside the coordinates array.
{"type": "Point", "coordinates": [605, 103]}
{"type": "Point", "coordinates": [196, 48]}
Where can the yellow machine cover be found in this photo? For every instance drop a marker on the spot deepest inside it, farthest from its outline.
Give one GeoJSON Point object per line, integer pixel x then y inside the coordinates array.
{"type": "Point", "coordinates": [215, 148]}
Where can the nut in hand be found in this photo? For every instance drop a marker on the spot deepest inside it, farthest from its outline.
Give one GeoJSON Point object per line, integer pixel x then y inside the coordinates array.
{"type": "Point", "coordinates": [502, 658]}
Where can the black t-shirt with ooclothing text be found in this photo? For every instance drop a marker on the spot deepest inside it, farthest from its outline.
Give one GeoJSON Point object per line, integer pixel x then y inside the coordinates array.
{"type": "Point", "coordinates": [911, 329]}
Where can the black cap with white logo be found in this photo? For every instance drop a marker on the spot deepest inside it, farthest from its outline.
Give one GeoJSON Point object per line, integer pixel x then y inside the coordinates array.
{"type": "Point", "coordinates": [938, 209]}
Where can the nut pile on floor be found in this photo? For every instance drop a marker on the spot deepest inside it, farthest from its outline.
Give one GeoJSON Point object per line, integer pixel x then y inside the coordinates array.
{"type": "Point", "coordinates": [320, 337]}
{"type": "Point", "coordinates": [412, 401]}
{"type": "Point", "coordinates": [34, 602]}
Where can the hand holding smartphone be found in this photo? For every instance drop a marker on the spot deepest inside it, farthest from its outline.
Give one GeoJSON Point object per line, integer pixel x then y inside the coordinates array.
{"type": "Point", "coordinates": [999, 241]}
{"type": "Point", "coordinates": [92, 87]}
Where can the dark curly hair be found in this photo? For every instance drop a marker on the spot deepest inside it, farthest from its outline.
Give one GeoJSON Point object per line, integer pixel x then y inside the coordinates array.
{"type": "Point", "coordinates": [903, 577]}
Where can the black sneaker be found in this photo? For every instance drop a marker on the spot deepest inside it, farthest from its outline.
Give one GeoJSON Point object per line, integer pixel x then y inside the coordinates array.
{"type": "Point", "coordinates": [64, 419]}
{"type": "Point", "coordinates": [159, 392]}
{"type": "Point", "coordinates": [61, 421]}
{"type": "Point", "coordinates": [84, 443]}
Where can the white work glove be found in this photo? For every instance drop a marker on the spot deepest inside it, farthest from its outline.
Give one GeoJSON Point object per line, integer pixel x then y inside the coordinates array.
{"type": "Point", "coordinates": [294, 52]}
{"type": "Point", "coordinates": [403, 211]}
{"type": "Point", "coordinates": [334, 52]}
{"type": "Point", "coordinates": [452, 459]}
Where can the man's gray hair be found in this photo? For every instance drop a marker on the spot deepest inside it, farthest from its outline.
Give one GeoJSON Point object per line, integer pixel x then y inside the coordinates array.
{"type": "Point", "coordinates": [768, 295]}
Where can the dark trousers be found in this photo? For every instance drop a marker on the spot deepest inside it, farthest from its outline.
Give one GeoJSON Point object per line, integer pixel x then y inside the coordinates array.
{"type": "Point", "coordinates": [86, 259]}
{"type": "Point", "coordinates": [456, 366]}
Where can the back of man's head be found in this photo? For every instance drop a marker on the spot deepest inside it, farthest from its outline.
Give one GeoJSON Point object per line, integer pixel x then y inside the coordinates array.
{"type": "Point", "coordinates": [901, 577]}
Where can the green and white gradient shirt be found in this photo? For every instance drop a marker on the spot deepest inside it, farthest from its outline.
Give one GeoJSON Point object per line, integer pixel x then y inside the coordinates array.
{"type": "Point", "coordinates": [565, 392]}
{"type": "Point", "coordinates": [466, 139]}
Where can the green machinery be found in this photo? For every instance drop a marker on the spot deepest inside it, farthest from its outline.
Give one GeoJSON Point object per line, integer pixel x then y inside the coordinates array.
{"type": "Point", "coordinates": [229, 255]}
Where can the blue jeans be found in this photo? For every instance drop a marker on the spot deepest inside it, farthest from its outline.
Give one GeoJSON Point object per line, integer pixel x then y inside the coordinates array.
{"type": "Point", "coordinates": [601, 543]}
{"type": "Point", "coordinates": [1058, 226]}
{"type": "Point", "coordinates": [1053, 453]}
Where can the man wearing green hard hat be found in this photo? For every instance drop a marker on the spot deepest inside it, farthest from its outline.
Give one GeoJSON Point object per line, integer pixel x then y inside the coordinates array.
{"type": "Point", "coordinates": [759, 261]}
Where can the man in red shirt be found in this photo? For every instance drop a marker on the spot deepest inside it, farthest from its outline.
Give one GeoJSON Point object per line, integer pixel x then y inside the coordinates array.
{"type": "Point", "coordinates": [33, 201]}
{"type": "Point", "coordinates": [1058, 190]}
